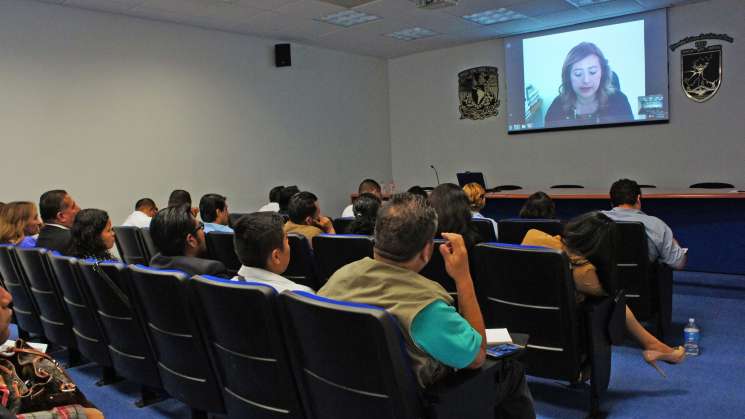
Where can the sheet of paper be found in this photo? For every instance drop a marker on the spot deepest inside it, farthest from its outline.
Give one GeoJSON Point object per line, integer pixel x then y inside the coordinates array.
{"type": "Point", "coordinates": [41, 347]}
{"type": "Point", "coordinates": [497, 336]}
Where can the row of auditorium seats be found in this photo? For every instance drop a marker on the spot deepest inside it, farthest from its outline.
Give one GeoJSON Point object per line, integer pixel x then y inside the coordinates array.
{"type": "Point", "coordinates": [239, 349]}
{"type": "Point", "coordinates": [648, 285]}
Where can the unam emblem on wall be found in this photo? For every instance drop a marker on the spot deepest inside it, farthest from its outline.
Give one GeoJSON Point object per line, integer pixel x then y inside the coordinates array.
{"type": "Point", "coordinates": [478, 91]}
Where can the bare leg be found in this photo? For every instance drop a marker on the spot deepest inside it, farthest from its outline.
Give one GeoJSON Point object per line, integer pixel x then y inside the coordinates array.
{"type": "Point", "coordinates": [645, 339]}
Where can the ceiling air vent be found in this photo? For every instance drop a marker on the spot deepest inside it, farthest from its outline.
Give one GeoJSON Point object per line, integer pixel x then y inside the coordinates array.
{"type": "Point", "coordinates": [434, 4]}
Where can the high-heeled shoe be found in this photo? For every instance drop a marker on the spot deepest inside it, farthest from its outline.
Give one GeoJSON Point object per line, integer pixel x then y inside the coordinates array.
{"type": "Point", "coordinates": [675, 357]}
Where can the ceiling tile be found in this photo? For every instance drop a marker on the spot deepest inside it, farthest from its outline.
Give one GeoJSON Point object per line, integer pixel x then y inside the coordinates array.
{"type": "Point", "coordinates": [469, 7]}
{"type": "Point", "coordinates": [437, 21]}
{"type": "Point", "coordinates": [613, 8]}
{"type": "Point", "coordinates": [265, 4]}
{"type": "Point", "coordinates": [540, 7]}
{"type": "Point", "coordinates": [308, 9]}
{"type": "Point", "coordinates": [116, 6]}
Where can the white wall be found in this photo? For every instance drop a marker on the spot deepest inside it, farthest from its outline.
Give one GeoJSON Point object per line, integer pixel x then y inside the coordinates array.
{"type": "Point", "coordinates": [114, 108]}
{"type": "Point", "coordinates": [701, 142]}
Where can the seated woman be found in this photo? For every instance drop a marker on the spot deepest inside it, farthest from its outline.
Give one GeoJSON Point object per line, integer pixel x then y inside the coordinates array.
{"type": "Point", "coordinates": [538, 205]}
{"type": "Point", "coordinates": [453, 213]}
{"type": "Point", "coordinates": [19, 223]}
{"type": "Point", "coordinates": [587, 94]}
{"type": "Point", "coordinates": [365, 212]}
{"type": "Point", "coordinates": [92, 235]}
{"type": "Point", "coordinates": [476, 195]}
{"type": "Point", "coordinates": [583, 240]}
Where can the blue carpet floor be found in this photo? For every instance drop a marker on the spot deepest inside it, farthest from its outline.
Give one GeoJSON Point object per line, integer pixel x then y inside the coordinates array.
{"type": "Point", "coordinates": [708, 386]}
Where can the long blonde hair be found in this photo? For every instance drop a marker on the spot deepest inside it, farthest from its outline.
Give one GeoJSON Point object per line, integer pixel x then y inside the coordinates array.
{"type": "Point", "coordinates": [13, 219]}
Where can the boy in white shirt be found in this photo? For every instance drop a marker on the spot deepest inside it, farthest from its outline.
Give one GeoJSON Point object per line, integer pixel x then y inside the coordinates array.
{"type": "Point", "coordinates": [264, 251]}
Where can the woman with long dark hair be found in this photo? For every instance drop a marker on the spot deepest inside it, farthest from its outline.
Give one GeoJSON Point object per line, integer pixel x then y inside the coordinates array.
{"type": "Point", "coordinates": [588, 92]}
{"type": "Point", "coordinates": [588, 237]}
{"type": "Point", "coordinates": [453, 212]}
{"type": "Point", "coordinates": [538, 205]}
{"type": "Point", "coordinates": [92, 235]}
{"type": "Point", "coordinates": [365, 209]}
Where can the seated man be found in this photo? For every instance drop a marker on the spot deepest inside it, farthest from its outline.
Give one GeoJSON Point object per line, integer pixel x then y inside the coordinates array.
{"type": "Point", "coordinates": [626, 197]}
{"type": "Point", "coordinates": [438, 338]}
{"type": "Point", "coordinates": [273, 204]}
{"type": "Point", "coordinates": [264, 251]}
{"type": "Point", "coordinates": [366, 186]}
{"type": "Point", "coordinates": [145, 210]}
{"type": "Point", "coordinates": [284, 198]}
{"type": "Point", "coordinates": [306, 218]}
{"type": "Point", "coordinates": [181, 197]}
{"type": "Point", "coordinates": [58, 211]}
{"type": "Point", "coordinates": [213, 209]}
{"type": "Point", "coordinates": [180, 238]}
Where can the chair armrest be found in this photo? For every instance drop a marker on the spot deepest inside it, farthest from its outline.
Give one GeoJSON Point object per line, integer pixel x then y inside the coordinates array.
{"type": "Point", "coordinates": [464, 394]}
{"type": "Point", "coordinates": [598, 315]}
{"type": "Point", "coordinates": [470, 393]}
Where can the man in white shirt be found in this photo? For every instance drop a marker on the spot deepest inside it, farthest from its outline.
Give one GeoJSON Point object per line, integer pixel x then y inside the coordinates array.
{"type": "Point", "coordinates": [367, 185]}
{"type": "Point", "coordinates": [273, 204]}
{"type": "Point", "coordinates": [626, 196]}
{"type": "Point", "coordinates": [262, 247]}
{"type": "Point", "coordinates": [145, 210]}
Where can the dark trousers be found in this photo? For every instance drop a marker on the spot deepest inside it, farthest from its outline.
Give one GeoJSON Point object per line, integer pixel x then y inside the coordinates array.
{"type": "Point", "coordinates": [513, 395]}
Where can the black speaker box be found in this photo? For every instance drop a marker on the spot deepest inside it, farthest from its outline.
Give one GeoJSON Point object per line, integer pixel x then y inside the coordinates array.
{"type": "Point", "coordinates": [282, 55]}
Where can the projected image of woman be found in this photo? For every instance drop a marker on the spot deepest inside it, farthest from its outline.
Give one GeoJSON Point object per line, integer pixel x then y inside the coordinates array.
{"type": "Point", "coordinates": [588, 92]}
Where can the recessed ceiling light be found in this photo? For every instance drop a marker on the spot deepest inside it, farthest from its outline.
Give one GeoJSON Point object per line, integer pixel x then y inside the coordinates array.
{"type": "Point", "coordinates": [490, 17]}
{"type": "Point", "coordinates": [348, 18]}
{"type": "Point", "coordinates": [411, 34]}
{"type": "Point", "coordinates": [580, 3]}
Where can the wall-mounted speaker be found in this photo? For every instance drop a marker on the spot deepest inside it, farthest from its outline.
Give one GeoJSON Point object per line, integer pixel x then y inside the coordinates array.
{"type": "Point", "coordinates": [282, 55]}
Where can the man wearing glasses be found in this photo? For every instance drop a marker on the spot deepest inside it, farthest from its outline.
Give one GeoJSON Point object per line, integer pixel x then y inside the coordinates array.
{"type": "Point", "coordinates": [180, 240]}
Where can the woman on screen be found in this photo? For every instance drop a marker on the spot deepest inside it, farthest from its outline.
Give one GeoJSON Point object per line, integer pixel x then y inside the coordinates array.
{"type": "Point", "coordinates": [588, 93]}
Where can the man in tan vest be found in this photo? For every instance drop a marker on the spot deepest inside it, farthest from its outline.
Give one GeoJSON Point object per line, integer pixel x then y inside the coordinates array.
{"type": "Point", "coordinates": [439, 339]}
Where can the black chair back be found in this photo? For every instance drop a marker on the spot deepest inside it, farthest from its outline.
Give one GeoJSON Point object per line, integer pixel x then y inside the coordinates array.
{"type": "Point", "coordinates": [341, 224]}
{"type": "Point", "coordinates": [129, 347]}
{"type": "Point", "coordinates": [712, 185]}
{"type": "Point", "coordinates": [130, 244]}
{"type": "Point", "coordinates": [220, 247]}
{"type": "Point", "coordinates": [24, 306]}
{"type": "Point", "coordinates": [147, 240]}
{"type": "Point", "coordinates": [302, 267]}
{"type": "Point", "coordinates": [48, 297]}
{"type": "Point", "coordinates": [234, 217]}
{"type": "Point", "coordinates": [332, 251]}
{"type": "Point", "coordinates": [89, 335]}
{"type": "Point", "coordinates": [485, 229]}
{"type": "Point", "coordinates": [513, 230]}
{"type": "Point", "coordinates": [567, 186]}
{"type": "Point", "coordinates": [531, 290]}
{"type": "Point", "coordinates": [435, 270]}
{"type": "Point", "coordinates": [647, 285]}
{"type": "Point", "coordinates": [248, 350]}
{"type": "Point", "coordinates": [177, 342]}
{"type": "Point", "coordinates": [348, 359]}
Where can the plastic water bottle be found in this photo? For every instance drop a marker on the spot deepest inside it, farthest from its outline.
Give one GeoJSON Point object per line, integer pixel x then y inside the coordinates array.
{"type": "Point", "coordinates": [692, 338]}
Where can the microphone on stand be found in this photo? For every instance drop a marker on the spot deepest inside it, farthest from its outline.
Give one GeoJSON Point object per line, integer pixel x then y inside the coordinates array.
{"type": "Point", "coordinates": [436, 175]}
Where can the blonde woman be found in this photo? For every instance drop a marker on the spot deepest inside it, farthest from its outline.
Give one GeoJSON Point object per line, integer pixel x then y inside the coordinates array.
{"type": "Point", "coordinates": [477, 201]}
{"type": "Point", "coordinates": [19, 223]}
